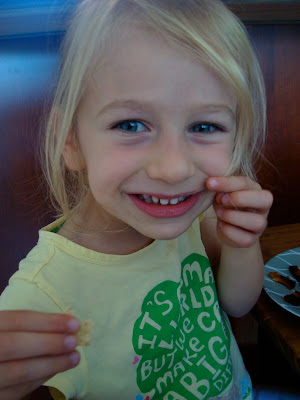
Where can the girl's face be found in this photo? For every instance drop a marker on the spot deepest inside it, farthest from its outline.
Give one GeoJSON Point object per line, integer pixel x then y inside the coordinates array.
{"type": "Point", "coordinates": [154, 124]}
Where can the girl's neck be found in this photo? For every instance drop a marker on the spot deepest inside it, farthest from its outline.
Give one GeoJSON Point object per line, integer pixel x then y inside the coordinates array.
{"type": "Point", "coordinates": [91, 231]}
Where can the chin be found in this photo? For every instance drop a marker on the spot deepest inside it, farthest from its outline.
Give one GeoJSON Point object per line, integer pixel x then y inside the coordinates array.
{"type": "Point", "coordinates": [166, 233]}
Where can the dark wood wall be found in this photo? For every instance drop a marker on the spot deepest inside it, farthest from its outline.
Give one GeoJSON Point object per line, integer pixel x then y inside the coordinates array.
{"type": "Point", "coordinates": [27, 68]}
{"type": "Point", "coordinates": [23, 205]}
{"type": "Point", "coordinates": [278, 50]}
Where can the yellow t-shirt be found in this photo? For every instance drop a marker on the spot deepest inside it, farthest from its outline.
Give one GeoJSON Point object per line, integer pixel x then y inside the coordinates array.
{"type": "Point", "coordinates": [159, 332]}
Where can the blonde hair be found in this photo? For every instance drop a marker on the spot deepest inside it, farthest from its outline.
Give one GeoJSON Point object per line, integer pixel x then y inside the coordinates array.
{"type": "Point", "coordinates": [206, 29]}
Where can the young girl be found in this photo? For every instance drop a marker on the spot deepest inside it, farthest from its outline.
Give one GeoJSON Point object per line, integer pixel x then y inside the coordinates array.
{"type": "Point", "coordinates": [158, 116]}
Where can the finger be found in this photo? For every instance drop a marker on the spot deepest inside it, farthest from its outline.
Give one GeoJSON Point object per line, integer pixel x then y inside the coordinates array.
{"type": "Point", "coordinates": [258, 200]}
{"type": "Point", "coordinates": [235, 236]}
{"type": "Point", "coordinates": [34, 321]}
{"type": "Point", "coordinates": [24, 371]}
{"type": "Point", "coordinates": [251, 222]}
{"type": "Point", "coordinates": [22, 345]}
{"type": "Point", "coordinates": [231, 184]}
{"type": "Point", "coordinates": [20, 391]}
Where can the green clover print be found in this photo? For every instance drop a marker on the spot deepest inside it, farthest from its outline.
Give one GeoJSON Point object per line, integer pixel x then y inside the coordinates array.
{"type": "Point", "coordinates": [181, 338]}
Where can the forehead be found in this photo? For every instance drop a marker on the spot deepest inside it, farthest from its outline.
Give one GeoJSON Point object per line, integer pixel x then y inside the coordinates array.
{"type": "Point", "coordinates": [141, 64]}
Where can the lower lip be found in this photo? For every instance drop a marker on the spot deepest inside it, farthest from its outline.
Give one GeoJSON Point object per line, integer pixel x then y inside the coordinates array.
{"type": "Point", "coordinates": [168, 211]}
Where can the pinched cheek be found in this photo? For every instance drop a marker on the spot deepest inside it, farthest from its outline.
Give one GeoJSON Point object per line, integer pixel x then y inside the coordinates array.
{"type": "Point", "coordinates": [215, 163]}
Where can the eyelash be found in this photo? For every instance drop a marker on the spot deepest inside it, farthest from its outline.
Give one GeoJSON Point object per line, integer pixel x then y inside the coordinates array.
{"type": "Point", "coordinates": [127, 121]}
{"type": "Point", "coordinates": [217, 128]}
{"type": "Point", "coordinates": [209, 124]}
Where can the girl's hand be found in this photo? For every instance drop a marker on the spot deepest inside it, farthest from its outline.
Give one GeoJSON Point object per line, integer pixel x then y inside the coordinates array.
{"type": "Point", "coordinates": [242, 208]}
{"type": "Point", "coordinates": [34, 347]}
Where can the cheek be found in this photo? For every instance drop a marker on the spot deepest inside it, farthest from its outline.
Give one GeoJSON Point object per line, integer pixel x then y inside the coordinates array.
{"type": "Point", "coordinates": [110, 170]}
{"type": "Point", "coordinates": [215, 162]}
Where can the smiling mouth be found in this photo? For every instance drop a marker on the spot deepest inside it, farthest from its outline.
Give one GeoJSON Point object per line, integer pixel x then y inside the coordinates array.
{"type": "Point", "coordinates": [165, 207]}
{"type": "Point", "coordinates": [164, 202]}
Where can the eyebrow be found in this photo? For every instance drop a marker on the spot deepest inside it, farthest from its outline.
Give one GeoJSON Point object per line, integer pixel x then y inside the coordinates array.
{"type": "Point", "coordinates": [145, 106]}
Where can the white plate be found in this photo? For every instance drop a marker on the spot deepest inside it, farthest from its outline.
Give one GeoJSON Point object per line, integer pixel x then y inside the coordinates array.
{"type": "Point", "coordinates": [280, 264]}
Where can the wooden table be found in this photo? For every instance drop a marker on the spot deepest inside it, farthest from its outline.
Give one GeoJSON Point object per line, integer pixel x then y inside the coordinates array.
{"type": "Point", "coordinates": [281, 325]}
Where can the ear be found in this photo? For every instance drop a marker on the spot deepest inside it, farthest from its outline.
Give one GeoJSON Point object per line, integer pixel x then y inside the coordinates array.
{"type": "Point", "coordinates": [72, 155]}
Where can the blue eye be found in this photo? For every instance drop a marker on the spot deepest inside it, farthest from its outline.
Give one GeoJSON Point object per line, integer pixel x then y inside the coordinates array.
{"type": "Point", "coordinates": [130, 126]}
{"type": "Point", "coordinates": [206, 128]}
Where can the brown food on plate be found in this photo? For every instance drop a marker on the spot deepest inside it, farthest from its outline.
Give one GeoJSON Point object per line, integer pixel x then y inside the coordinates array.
{"type": "Point", "coordinates": [295, 271]}
{"type": "Point", "coordinates": [293, 298]}
{"type": "Point", "coordinates": [283, 280]}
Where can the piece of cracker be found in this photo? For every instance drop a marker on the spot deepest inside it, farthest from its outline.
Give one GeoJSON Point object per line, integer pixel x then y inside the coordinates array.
{"type": "Point", "coordinates": [84, 334]}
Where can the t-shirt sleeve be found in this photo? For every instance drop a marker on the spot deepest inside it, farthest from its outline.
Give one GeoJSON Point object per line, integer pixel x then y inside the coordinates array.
{"type": "Point", "coordinates": [25, 295]}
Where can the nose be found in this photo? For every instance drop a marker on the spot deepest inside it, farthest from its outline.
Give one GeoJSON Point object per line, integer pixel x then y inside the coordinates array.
{"type": "Point", "coordinates": [170, 161]}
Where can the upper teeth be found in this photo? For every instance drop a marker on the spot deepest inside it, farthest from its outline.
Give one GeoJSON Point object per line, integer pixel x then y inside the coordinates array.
{"type": "Point", "coordinates": [164, 202]}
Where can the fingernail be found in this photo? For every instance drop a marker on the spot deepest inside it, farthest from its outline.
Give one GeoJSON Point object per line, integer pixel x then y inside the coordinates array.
{"type": "Point", "coordinates": [70, 342]}
{"type": "Point", "coordinates": [73, 325]}
{"type": "Point", "coordinates": [74, 358]}
{"type": "Point", "coordinates": [225, 199]}
{"type": "Point", "coordinates": [213, 183]}
{"type": "Point", "coordinates": [219, 212]}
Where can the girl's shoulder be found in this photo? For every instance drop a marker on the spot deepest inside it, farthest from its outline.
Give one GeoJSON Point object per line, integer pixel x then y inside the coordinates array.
{"type": "Point", "coordinates": [39, 256]}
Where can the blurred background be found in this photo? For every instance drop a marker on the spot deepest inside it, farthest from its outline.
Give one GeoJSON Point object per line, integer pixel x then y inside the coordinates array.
{"type": "Point", "coordinates": [30, 35]}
